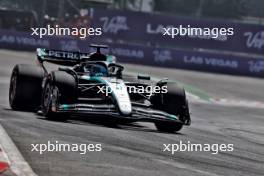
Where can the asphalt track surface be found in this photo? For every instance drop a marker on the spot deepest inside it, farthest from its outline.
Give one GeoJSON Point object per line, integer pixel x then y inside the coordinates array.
{"type": "Point", "coordinates": [137, 149]}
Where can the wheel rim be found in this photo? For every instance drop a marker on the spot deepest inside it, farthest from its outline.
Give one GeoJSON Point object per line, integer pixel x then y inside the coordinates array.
{"type": "Point", "coordinates": [47, 97]}
{"type": "Point", "coordinates": [13, 86]}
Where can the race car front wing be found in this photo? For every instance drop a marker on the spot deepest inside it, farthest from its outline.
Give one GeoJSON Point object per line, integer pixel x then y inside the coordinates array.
{"type": "Point", "coordinates": [138, 113]}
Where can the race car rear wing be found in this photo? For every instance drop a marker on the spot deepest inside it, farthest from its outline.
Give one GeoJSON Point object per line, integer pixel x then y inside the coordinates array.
{"type": "Point", "coordinates": [61, 57]}
{"type": "Point", "coordinates": [69, 58]}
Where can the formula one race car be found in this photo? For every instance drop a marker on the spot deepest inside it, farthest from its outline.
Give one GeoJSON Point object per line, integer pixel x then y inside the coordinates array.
{"type": "Point", "coordinates": [93, 83]}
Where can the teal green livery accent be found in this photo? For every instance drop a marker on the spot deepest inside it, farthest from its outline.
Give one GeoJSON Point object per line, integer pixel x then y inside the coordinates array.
{"type": "Point", "coordinates": [65, 107]}
{"type": "Point", "coordinates": [173, 117]}
{"type": "Point", "coordinates": [110, 58]}
{"type": "Point", "coordinates": [41, 53]}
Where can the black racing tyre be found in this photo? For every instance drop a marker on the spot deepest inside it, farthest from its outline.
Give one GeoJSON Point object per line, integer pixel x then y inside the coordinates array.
{"type": "Point", "coordinates": [25, 87]}
{"type": "Point", "coordinates": [173, 102]}
{"type": "Point", "coordinates": [168, 127]}
{"type": "Point", "coordinates": [60, 88]}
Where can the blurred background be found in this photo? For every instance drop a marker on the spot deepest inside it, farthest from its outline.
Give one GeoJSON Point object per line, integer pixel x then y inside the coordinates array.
{"type": "Point", "coordinates": [133, 29]}
{"type": "Point", "coordinates": [41, 12]}
{"type": "Point", "coordinates": [220, 76]}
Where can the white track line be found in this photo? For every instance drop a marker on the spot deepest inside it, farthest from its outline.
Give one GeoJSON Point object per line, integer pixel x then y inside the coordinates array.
{"type": "Point", "coordinates": [18, 165]}
{"type": "Point", "coordinates": [238, 103]}
{"type": "Point", "coordinates": [4, 160]}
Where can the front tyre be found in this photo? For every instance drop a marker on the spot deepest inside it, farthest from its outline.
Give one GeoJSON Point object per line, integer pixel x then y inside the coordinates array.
{"type": "Point", "coordinates": [59, 89]}
{"type": "Point", "coordinates": [168, 127]}
{"type": "Point", "coordinates": [173, 102]}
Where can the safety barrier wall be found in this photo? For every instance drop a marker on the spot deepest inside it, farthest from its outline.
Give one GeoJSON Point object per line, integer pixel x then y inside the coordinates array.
{"type": "Point", "coordinates": [153, 56]}
{"type": "Point", "coordinates": [148, 28]}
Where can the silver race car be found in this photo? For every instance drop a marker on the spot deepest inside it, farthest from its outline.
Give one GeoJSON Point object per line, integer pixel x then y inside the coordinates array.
{"type": "Point", "coordinates": [94, 84]}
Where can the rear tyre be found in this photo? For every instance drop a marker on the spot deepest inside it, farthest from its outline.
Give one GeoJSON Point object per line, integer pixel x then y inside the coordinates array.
{"type": "Point", "coordinates": [60, 88]}
{"type": "Point", "coordinates": [173, 102]}
{"type": "Point", "coordinates": [25, 87]}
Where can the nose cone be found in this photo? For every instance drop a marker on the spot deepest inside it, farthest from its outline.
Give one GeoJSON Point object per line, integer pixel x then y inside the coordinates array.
{"type": "Point", "coordinates": [125, 108]}
{"type": "Point", "coordinates": [121, 96]}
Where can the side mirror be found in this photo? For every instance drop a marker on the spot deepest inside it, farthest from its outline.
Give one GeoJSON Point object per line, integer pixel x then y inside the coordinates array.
{"type": "Point", "coordinates": [144, 77]}
{"type": "Point", "coordinates": [162, 82]}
